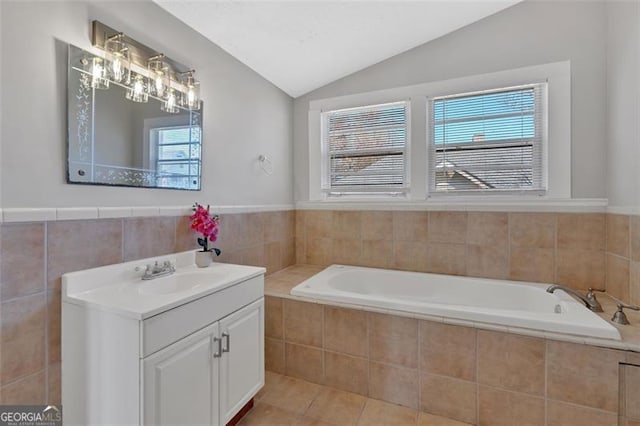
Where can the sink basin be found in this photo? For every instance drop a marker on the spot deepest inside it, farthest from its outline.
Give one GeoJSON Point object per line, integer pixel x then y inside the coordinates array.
{"type": "Point", "coordinates": [177, 283]}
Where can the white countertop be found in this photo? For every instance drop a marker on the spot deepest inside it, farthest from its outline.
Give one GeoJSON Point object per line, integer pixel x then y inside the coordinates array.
{"type": "Point", "coordinates": [120, 289]}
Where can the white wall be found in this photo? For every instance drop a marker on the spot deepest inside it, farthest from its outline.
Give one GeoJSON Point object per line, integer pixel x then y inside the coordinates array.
{"type": "Point", "coordinates": [623, 105]}
{"type": "Point", "coordinates": [529, 33]}
{"type": "Point", "coordinates": [244, 115]}
{"type": "Point", "coordinates": [1, 97]}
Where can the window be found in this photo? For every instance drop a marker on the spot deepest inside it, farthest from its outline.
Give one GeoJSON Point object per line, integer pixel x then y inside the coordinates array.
{"type": "Point", "coordinates": [177, 156]}
{"type": "Point", "coordinates": [364, 150]}
{"type": "Point", "coordinates": [486, 138]}
{"type": "Point", "coordinates": [491, 141]}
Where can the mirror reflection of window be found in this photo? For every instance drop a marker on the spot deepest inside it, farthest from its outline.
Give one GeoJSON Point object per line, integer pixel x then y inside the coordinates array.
{"type": "Point", "coordinates": [176, 156]}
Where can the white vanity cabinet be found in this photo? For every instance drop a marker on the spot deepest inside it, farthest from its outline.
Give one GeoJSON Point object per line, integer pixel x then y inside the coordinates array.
{"type": "Point", "coordinates": [186, 357]}
{"type": "Point", "coordinates": [206, 378]}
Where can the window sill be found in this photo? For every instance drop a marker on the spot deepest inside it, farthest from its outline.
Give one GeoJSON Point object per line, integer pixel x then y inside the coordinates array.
{"type": "Point", "coordinates": [497, 203]}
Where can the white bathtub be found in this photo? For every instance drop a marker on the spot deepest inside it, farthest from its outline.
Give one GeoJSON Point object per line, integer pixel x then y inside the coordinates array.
{"type": "Point", "coordinates": [507, 303]}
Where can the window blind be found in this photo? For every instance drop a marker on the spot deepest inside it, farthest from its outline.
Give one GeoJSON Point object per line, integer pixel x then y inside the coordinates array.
{"type": "Point", "coordinates": [365, 149]}
{"type": "Point", "coordinates": [489, 141]}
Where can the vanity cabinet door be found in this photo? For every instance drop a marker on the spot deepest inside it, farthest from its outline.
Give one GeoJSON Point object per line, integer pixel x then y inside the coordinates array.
{"type": "Point", "coordinates": [242, 362]}
{"type": "Point", "coordinates": [181, 381]}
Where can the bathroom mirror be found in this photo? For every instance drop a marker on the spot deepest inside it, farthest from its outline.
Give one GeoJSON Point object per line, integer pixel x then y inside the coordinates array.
{"type": "Point", "coordinates": [115, 141]}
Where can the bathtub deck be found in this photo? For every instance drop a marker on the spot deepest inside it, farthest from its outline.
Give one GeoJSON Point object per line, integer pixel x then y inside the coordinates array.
{"type": "Point", "coordinates": [289, 401]}
{"type": "Point", "coordinates": [280, 284]}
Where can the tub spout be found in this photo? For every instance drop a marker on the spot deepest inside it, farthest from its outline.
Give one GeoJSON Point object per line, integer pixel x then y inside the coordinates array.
{"type": "Point", "coordinates": [589, 300]}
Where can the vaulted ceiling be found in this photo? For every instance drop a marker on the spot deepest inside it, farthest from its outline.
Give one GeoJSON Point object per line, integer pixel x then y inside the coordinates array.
{"type": "Point", "coordinates": [302, 45]}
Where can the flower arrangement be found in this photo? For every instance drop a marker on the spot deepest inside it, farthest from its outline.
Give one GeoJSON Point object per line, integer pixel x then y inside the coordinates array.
{"type": "Point", "coordinates": [206, 224]}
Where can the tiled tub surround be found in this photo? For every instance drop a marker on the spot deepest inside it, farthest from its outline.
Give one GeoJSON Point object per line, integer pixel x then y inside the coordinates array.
{"type": "Point", "coordinates": [34, 255]}
{"type": "Point", "coordinates": [580, 250]}
{"type": "Point", "coordinates": [469, 372]}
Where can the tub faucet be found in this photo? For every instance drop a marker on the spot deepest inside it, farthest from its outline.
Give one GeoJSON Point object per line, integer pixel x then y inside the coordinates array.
{"type": "Point", "coordinates": [589, 300]}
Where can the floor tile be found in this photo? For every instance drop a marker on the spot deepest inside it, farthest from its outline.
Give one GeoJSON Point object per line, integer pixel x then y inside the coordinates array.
{"type": "Point", "coordinates": [383, 413]}
{"type": "Point", "coordinates": [337, 407]}
{"type": "Point", "coordinates": [308, 421]}
{"type": "Point", "coordinates": [426, 419]}
{"type": "Point", "coordinates": [286, 400]}
{"type": "Point", "coordinates": [265, 414]}
{"type": "Point", "coordinates": [290, 394]}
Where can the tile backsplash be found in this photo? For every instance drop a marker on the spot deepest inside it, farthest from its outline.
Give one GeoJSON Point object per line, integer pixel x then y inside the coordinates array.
{"type": "Point", "coordinates": [34, 255]}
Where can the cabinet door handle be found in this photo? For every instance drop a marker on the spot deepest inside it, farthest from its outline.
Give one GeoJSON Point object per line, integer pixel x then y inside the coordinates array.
{"type": "Point", "coordinates": [228, 345]}
{"type": "Point", "coordinates": [217, 354]}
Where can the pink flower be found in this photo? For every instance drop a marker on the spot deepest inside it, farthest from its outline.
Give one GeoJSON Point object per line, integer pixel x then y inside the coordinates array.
{"type": "Point", "coordinates": [204, 223]}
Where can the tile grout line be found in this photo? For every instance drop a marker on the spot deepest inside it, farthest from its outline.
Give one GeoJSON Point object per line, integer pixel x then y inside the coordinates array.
{"type": "Point", "coordinates": [546, 381]}
{"type": "Point", "coordinates": [477, 378]}
{"type": "Point", "coordinates": [46, 313]}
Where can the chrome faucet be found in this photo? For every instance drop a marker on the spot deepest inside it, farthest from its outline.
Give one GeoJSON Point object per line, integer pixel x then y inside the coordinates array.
{"type": "Point", "coordinates": [156, 270]}
{"type": "Point", "coordinates": [589, 300]}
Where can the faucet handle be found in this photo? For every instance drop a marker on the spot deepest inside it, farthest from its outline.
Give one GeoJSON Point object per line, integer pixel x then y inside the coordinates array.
{"type": "Point", "coordinates": [594, 304]}
{"type": "Point", "coordinates": [168, 265]}
{"type": "Point", "coordinates": [620, 317]}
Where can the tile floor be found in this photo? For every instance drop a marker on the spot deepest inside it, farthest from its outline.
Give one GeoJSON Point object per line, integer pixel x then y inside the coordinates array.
{"type": "Point", "coordinates": [288, 401]}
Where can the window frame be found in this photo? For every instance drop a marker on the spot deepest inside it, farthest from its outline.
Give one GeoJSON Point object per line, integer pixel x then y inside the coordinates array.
{"type": "Point", "coordinates": [354, 191]}
{"type": "Point", "coordinates": [542, 146]}
{"type": "Point", "coordinates": [559, 161]}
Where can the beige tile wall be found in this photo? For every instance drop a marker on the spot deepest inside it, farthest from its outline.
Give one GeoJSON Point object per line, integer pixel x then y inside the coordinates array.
{"type": "Point", "coordinates": [580, 250]}
{"type": "Point", "coordinates": [623, 257]}
{"type": "Point", "coordinates": [33, 256]}
{"type": "Point", "coordinates": [475, 376]}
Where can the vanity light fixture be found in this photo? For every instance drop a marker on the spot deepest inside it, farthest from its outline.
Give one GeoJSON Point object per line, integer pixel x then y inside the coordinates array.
{"type": "Point", "coordinates": [120, 68]}
{"type": "Point", "coordinates": [191, 99]}
{"type": "Point", "coordinates": [144, 71]}
{"type": "Point", "coordinates": [99, 78]}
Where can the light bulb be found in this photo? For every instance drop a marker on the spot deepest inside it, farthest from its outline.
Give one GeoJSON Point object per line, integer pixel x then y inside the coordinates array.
{"type": "Point", "coordinates": [118, 71]}
{"type": "Point", "coordinates": [137, 92]}
{"type": "Point", "coordinates": [191, 98]}
{"type": "Point", "coordinates": [116, 66]}
{"type": "Point", "coordinates": [137, 87]}
{"type": "Point", "coordinates": [159, 86]}
{"type": "Point", "coordinates": [97, 71]}
{"type": "Point", "coordinates": [99, 80]}
{"type": "Point", "coordinates": [170, 103]}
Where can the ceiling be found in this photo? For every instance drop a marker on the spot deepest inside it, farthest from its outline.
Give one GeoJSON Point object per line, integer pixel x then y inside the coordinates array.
{"type": "Point", "coordinates": [305, 44]}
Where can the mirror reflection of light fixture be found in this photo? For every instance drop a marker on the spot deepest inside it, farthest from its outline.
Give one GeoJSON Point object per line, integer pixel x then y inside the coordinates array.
{"type": "Point", "coordinates": [159, 76]}
{"type": "Point", "coordinates": [137, 92]}
{"type": "Point", "coordinates": [99, 78]}
{"type": "Point", "coordinates": [170, 103]}
{"type": "Point", "coordinates": [119, 69]}
{"type": "Point", "coordinates": [191, 98]}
